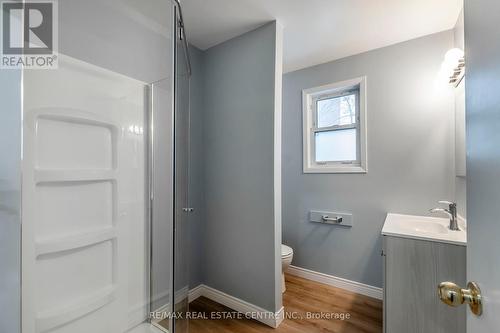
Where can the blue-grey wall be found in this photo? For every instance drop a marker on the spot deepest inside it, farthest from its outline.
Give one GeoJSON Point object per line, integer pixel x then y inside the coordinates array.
{"type": "Point", "coordinates": [410, 156]}
{"type": "Point", "coordinates": [237, 248]}
{"type": "Point", "coordinates": [10, 201]}
{"type": "Point", "coordinates": [197, 225]}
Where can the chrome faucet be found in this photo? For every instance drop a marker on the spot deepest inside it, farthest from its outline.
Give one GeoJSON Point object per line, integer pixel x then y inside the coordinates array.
{"type": "Point", "coordinates": [451, 212]}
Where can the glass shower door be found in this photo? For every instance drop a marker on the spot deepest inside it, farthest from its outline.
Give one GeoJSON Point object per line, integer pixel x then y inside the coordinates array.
{"type": "Point", "coordinates": [161, 202]}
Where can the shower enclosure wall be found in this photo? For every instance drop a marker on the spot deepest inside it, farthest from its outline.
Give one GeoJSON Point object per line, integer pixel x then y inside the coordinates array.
{"type": "Point", "coordinates": [100, 146]}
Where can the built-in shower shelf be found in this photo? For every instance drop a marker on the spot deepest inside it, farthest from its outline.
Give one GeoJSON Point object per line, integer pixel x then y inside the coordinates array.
{"type": "Point", "coordinates": [74, 241]}
{"type": "Point", "coordinates": [84, 171]}
{"type": "Point", "coordinates": [55, 317]}
{"type": "Point", "coordinates": [52, 176]}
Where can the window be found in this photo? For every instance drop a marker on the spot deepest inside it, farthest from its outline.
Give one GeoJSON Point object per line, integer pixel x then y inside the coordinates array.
{"type": "Point", "coordinates": [335, 128]}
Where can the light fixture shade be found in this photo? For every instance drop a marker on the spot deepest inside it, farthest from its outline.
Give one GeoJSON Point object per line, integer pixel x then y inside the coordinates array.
{"type": "Point", "coordinates": [453, 66]}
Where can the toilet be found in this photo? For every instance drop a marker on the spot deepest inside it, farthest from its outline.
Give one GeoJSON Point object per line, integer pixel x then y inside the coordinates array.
{"type": "Point", "coordinates": [286, 260]}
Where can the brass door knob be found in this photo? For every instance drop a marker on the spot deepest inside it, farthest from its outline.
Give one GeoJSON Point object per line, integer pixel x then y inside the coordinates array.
{"type": "Point", "coordinates": [453, 295]}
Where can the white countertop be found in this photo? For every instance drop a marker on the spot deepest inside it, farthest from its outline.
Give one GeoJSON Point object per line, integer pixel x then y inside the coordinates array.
{"type": "Point", "coordinates": [433, 229]}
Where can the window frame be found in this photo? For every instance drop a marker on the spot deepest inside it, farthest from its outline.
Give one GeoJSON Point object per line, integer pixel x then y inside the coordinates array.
{"type": "Point", "coordinates": [310, 97]}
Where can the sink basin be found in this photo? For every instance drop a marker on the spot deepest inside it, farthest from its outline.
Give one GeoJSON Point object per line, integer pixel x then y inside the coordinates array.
{"type": "Point", "coordinates": [430, 227]}
{"type": "Point", "coordinates": [423, 227]}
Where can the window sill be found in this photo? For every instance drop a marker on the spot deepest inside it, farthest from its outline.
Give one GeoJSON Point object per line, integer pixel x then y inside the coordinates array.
{"type": "Point", "coordinates": [335, 169]}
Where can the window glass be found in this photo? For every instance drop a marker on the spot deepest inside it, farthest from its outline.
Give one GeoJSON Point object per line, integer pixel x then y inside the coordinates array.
{"type": "Point", "coordinates": [336, 111]}
{"type": "Point", "coordinates": [336, 145]}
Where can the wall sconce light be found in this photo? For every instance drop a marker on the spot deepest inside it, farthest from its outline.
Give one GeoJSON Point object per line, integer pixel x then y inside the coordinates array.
{"type": "Point", "coordinates": [454, 66]}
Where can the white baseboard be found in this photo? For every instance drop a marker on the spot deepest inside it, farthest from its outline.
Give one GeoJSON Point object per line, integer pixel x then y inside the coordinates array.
{"type": "Point", "coordinates": [181, 294]}
{"type": "Point", "coordinates": [356, 287]}
{"type": "Point", "coordinates": [196, 292]}
{"type": "Point", "coordinates": [272, 319]}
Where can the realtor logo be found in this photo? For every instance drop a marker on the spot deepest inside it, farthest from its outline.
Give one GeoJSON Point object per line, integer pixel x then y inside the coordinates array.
{"type": "Point", "coordinates": [29, 34]}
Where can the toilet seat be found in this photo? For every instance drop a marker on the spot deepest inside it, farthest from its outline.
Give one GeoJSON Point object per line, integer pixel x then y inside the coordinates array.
{"type": "Point", "coordinates": [286, 251]}
{"type": "Point", "coordinates": [286, 261]}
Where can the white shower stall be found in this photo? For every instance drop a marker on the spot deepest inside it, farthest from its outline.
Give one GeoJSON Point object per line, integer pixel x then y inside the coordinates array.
{"type": "Point", "coordinates": [84, 233]}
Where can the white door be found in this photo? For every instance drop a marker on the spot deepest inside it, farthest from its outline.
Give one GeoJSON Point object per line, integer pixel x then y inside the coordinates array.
{"type": "Point", "coordinates": [83, 231]}
{"type": "Point", "coordinates": [482, 39]}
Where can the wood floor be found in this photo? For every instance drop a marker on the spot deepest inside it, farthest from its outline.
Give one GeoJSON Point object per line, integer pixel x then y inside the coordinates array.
{"type": "Point", "coordinates": [302, 296]}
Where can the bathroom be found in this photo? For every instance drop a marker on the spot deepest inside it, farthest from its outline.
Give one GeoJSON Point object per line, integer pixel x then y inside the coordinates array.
{"type": "Point", "coordinates": [249, 166]}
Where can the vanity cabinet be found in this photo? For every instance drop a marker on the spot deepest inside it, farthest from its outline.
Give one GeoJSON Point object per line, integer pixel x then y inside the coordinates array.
{"type": "Point", "coordinates": [413, 270]}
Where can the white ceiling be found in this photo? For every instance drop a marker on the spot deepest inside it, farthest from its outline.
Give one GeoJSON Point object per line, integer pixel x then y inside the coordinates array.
{"type": "Point", "coordinates": [318, 31]}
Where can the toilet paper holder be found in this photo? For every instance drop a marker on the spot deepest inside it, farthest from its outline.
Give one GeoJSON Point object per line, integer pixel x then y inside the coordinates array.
{"type": "Point", "coordinates": [332, 218]}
